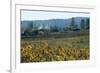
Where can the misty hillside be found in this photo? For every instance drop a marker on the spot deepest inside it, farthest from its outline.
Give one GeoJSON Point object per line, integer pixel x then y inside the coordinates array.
{"type": "Point", "coordinates": [60, 23]}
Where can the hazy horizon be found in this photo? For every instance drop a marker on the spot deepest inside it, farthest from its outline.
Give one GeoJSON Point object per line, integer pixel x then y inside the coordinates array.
{"type": "Point", "coordinates": [48, 15]}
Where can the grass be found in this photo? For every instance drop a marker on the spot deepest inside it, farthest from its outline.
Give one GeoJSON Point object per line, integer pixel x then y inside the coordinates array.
{"type": "Point", "coordinates": [63, 49]}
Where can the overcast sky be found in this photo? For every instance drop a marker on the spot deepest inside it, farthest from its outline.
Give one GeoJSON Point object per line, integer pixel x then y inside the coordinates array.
{"type": "Point", "coordinates": [45, 15]}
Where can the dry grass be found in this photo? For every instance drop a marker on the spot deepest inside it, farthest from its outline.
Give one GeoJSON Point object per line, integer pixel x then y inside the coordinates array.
{"type": "Point", "coordinates": [76, 48]}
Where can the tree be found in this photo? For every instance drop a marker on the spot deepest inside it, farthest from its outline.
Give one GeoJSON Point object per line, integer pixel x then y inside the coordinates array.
{"type": "Point", "coordinates": [82, 25]}
{"type": "Point", "coordinates": [87, 23]}
{"type": "Point", "coordinates": [35, 27]}
{"type": "Point", "coordinates": [54, 28]}
{"type": "Point", "coordinates": [66, 28]}
{"type": "Point", "coordinates": [73, 25]}
{"type": "Point", "coordinates": [32, 29]}
{"type": "Point", "coordinates": [28, 31]}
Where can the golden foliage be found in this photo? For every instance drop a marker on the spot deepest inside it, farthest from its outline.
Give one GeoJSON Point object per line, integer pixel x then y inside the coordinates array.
{"type": "Point", "coordinates": [32, 52]}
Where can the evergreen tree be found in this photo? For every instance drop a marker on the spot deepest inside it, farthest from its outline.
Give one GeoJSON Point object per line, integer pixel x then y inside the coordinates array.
{"type": "Point", "coordinates": [56, 28]}
{"type": "Point", "coordinates": [82, 25]}
{"type": "Point", "coordinates": [73, 25]}
{"type": "Point", "coordinates": [87, 23]}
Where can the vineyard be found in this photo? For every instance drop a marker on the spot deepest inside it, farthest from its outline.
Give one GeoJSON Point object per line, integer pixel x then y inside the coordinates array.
{"type": "Point", "coordinates": [64, 49]}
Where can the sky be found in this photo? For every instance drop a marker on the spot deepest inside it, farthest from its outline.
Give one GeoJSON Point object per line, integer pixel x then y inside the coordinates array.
{"type": "Point", "coordinates": [45, 15]}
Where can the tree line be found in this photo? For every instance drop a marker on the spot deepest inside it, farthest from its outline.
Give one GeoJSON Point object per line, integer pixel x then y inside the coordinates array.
{"type": "Point", "coordinates": [34, 29]}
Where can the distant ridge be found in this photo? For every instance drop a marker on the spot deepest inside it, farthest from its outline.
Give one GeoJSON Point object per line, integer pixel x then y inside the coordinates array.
{"type": "Point", "coordinates": [60, 23]}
